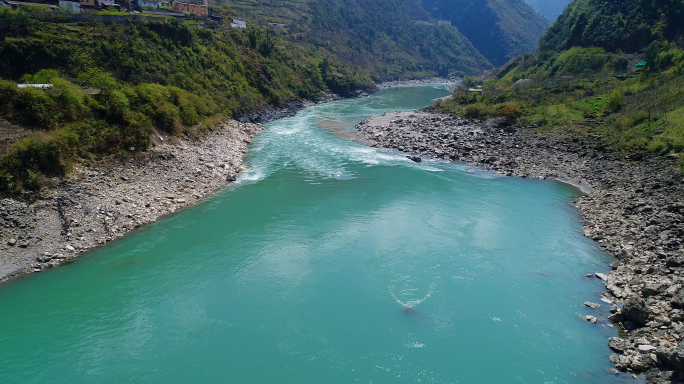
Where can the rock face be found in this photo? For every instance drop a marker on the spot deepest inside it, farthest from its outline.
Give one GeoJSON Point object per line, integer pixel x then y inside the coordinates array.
{"type": "Point", "coordinates": [99, 204]}
{"type": "Point", "coordinates": [633, 209]}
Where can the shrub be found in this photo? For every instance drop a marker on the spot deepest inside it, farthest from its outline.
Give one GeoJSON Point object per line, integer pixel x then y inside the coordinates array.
{"type": "Point", "coordinates": [509, 114]}
{"type": "Point", "coordinates": [34, 106]}
{"type": "Point", "coordinates": [614, 102]}
{"type": "Point", "coordinates": [473, 111]}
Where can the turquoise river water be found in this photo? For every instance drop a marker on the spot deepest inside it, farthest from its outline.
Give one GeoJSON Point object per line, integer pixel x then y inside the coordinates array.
{"type": "Point", "coordinates": [328, 262]}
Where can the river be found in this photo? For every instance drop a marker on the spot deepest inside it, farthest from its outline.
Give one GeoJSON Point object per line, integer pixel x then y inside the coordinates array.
{"type": "Point", "coordinates": [328, 262]}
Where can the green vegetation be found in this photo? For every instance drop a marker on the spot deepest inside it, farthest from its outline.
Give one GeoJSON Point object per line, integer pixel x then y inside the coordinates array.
{"type": "Point", "coordinates": [499, 29]}
{"type": "Point", "coordinates": [592, 91]}
{"type": "Point", "coordinates": [381, 36]}
{"type": "Point", "coordinates": [113, 84]}
{"type": "Point", "coordinates": [582, 79]}
{"type": "Point", "coordinates": [628, 25]}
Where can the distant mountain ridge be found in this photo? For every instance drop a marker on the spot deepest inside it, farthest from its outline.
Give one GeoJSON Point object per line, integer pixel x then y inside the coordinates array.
{"type": "Point", "coordinates": [550, 9]}
{"type": "Point", "coordinates": [499, 29]}
{"type": "Point", "coordinates": [392, 38]}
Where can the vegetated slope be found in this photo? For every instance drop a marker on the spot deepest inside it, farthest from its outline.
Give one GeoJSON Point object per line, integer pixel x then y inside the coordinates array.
{"type": "Point", "coordinates": [391, 38]}
{"type": "Point", "coordinates": [168, 76]}
{"type": "Point", "coordinates": [499, 29]}
{"type": "Point", "coordinates": [582, 80]}
{"type": "Point", "coordinates": [550, 9]}
{"type": "Point", "coordinates": [628, 25]}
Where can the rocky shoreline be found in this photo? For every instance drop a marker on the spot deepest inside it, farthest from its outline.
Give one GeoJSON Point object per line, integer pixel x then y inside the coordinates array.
{"type": "Point", "coordinates": [432, 80]}
{"type": "Point", "coordinates": [635, 210]}
{"type": "Point", "coordinates": [95, 205]}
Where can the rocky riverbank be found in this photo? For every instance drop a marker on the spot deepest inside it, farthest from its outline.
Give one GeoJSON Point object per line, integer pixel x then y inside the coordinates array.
{"type": "Point", "coordinates": [98, 204]}
{"type": "Point", "coordinates": [634, 209]}
{"type": "Point", "coordinates": [432, 80]}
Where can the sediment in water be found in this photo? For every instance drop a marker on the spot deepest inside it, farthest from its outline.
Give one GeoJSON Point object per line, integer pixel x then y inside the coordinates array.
{"type": "Point", "coordinates": [635, 209]}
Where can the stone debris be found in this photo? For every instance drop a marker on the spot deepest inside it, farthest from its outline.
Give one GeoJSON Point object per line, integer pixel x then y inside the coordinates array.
{"type": "Point", "coordinates": [633, 207]}
{"type": "Point", "coordinates": [95, 205]}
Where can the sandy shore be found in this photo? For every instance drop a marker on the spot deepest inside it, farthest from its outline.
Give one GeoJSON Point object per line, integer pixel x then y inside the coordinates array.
{"type": "Point", "coordinates": [98, 204]}
{"type": "Point", "coordinates": [635, 210]}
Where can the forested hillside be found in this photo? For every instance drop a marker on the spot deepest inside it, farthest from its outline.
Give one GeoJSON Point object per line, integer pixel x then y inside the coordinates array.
{"type": "Point", "coordinates": [392, 38]}
{"type": "Point", "coordinates": [628, 25]}
{"type": "Point", "coordinates": [499, 29]}
{"type": "Point", "coordinates": [113, 84]}
{"type": "Point", "coordinates": [608, 70]}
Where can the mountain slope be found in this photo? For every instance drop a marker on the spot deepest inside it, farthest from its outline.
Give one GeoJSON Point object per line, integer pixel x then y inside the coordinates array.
{"type": "Point", "coordinates": [629, 25]}
{"type": "Point", "coordinates": [550, 9]}
{"type": "Point", "coordinates": [392, 38]}
{"type": "Point", "coordinates": [499, 29]}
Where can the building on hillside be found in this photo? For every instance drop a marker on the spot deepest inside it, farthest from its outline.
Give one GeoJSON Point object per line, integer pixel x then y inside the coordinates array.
{"type": "Point", "coordinates": [73, 7]}
{"type": "Point", "coordinates": [107, 4]}
{"type": "Point", "coordinates": [148, 4]}
{"type": "Point", "coordinates": [237, 23]}
{"type": "Point", "coordinates": [443, 22]}
{"type": "Point", "coordinates": [216, 18]}
{"type": "Point", "coordinates": [278, 25]}
{"type": "Point", "coordinates": [41, 86]}
{"type": "Point", "coordinates": [88, 3]}
{"type": "Point", "coordinates": [163, 13]}
{"type": "Point", "coordinates": [193, 9]}
{"type": "Point", "coordinates": [16, 4]}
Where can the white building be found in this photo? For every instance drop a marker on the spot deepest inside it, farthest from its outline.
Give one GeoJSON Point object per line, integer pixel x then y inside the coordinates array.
{"type": "Point", "coordinates": [73, 7]}
{"type": "Point", "coordinates": [237, 23]}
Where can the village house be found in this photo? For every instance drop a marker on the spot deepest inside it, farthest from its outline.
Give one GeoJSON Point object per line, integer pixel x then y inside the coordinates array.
{"type": "Point", "coordinates": [16, 4]}
{"type": "Point", "coordinates": [152, 4]}
{"type": "Point", "coordinates": [108, 3]}
{"type": "Point", "coordinates": [73, 7]}
{"type": "Point", "coordinates": [163, 13]}
{"type": "Point", "coordinates": [88, 3]}
{"type": "Point", "coordinates": [237, 23]}
{"type": "Point", "coordinates": [193, 9]}
{"type": "Point", "coordinates": [444, 22]}
{"type": "Point", "coordinates": [147, 4]}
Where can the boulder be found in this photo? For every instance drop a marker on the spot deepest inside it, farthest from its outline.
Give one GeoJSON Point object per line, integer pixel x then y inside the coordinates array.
{"type": "Point", "coordinates": [641, 362]}
{"type": "Point", "coordinates": [677, 356]}
{"type": "Point", "coordinates": [678, 298]}
{"type": "Point", "coordinates": [619, 345]}
{"type": "Point", "coordinates": [664, 355]}
{"type": "Point", "coordinates": [634, 309]}
{"type": "Point", "coordinates": [673, 263]}
{"type": "Point", "coordinates": [645, 348]}
{"type": "Point", "coordinates": [601, 276]}
{"type": "Point", "coordinates": [591, 305]}
{"type": "Point", "coordinates": [651, 290]}
{"type": "Point", "coordinates": [12, 242]}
